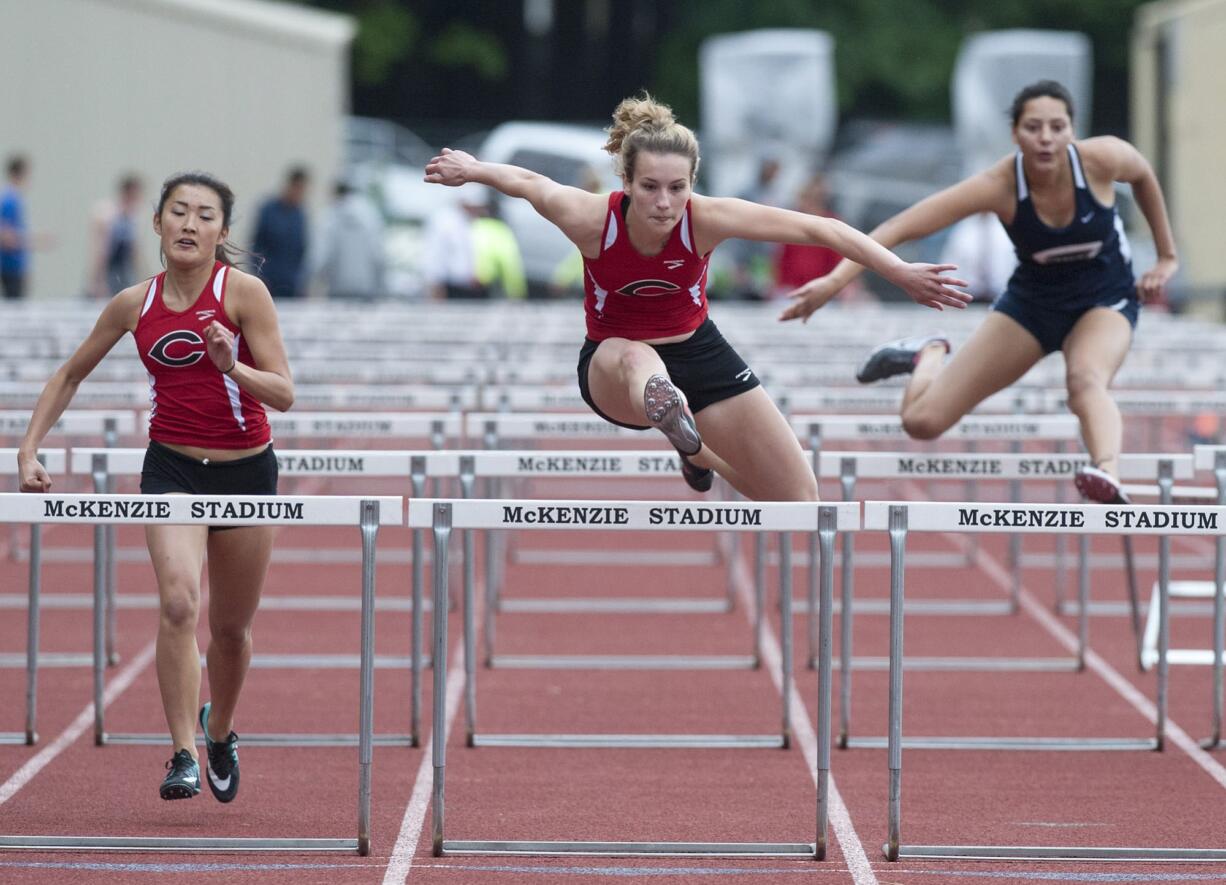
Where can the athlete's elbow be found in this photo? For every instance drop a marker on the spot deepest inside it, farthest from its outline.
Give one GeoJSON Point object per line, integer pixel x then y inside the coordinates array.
{"type": "Point", "coordinates": [283, 400]}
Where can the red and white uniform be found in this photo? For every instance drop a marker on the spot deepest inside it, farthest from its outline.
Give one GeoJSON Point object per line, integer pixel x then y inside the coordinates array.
{"type": "Point", "coordinates": [193, 403]}
{"type": "Point", "coordinates": [629, 295]}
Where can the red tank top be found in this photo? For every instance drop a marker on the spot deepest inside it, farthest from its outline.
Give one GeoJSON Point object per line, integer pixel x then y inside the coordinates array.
{"type": "Point", "coordinates": [629, 295]}
{"type": "Point", "coordinates": [193, 404]}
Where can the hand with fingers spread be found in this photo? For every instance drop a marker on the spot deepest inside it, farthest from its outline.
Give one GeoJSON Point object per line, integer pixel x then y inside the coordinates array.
{"type": "Point", "coordinates": [929, 287]}
{"type": "Point", "coordinates": [220, 343]}
{"type": "Point", "coordinates": [451, 168]}
{"type": "Point", "coordinates": [1152, 285]}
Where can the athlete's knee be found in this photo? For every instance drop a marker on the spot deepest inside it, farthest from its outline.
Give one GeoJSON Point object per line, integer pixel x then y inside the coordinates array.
{"type": "Point", "coordinates": [920, 423]}
{"type": "Point", "coordinates": [1084, 382]}
{"type": "Point", "coordinates": [180, 609]}
{"type": "Point", "coordinates": [230, 638]}
{"type": "Point", "coordinates": [634, 359]}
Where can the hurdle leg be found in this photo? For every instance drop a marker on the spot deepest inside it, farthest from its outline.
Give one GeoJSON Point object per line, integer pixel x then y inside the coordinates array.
{"type": "Point", "coordinates": [32, 632]}
{"type": "Point", "coordinates": [1164, 635]}
{"type": "Point", "coordinates": [759, 596]}
{"type": "Point", "coordinates": [1219, 640]}
{"type": "Point", "coordinates": [816, 562]}
{"type": "Point", "coordinates": [847, 480]}
{"type": "Point", "coordinates": [470, 635]}
{"type": "Point", "coordinates": [1134, 605]}
{"type": "Point", "coordinates": [825, 533]}
{"type": "Point", "coordinates": [785, 629]}
{"type": "Point", "coordinates": [1083, 599]}
{"type": "Point", "coordinates": [442, 533]}
{"type": "Point", "coordinates": [112, 606]}
{"type": "Point", "coordinates": [99, 631]}
{"type": "Point", "coordinates": [898, 540]}
{"type": "Point", "coordinates": [1058, 577]}
{"type": "Point", "coordinates": [417, 484]}
{"type": "Point", "coordinates": [369, 527]}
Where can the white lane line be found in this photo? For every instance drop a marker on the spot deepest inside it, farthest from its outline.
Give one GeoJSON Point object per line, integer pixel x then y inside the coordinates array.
{"type": "Point", "coordinates": [840, 818]}
{"type": "Point", "coordinates": [1100, 666]}
{"type": "Point", "coordinates": [401, 860]}
{"type": "Point", "coordinates": [84, 720]}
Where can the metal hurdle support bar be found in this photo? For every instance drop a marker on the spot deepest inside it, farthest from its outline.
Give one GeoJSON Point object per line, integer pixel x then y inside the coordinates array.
{"type": "Point", "coordinates": [53, 460]}
{"type": "Point", "coordinates": [899, 518]}
{"type": "Point", "coordinates": [105, 464]}
{"type": "Point", "coordinates": [367, 513]}
{"type": "Point", "coordinates": [444, 515]}
{"type": "Point", "coordinates": [1014, 468]}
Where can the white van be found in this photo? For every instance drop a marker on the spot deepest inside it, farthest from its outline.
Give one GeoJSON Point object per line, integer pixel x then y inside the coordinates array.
{"type": "Point", "coordinates": [572, 155]}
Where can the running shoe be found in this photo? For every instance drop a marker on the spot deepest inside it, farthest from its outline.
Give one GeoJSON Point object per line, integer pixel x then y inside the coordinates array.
{"type": "Point", "coordinates": [897, 357]}
{"type": "Point", "coordinates": [223, 761]}
{"type": "Point", "coordinates": [1099, 486]}
{"type": "Point", "coordinates": [697, 478]}
{"type": "Point", "coordinates": [183, 780]}
{"type": "Point", "coordinates": [667, 411]}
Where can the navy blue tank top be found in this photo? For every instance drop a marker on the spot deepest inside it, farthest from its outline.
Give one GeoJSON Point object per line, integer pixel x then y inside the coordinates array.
{"type": "Point", "coordinates": [1075, 264]}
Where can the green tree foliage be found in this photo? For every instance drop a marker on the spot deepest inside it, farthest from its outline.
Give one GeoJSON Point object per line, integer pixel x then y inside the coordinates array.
{"type": "Point", "coordinates": [460, 45]}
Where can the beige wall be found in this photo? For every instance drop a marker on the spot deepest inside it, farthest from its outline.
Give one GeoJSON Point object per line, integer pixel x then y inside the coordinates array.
{"type": "Point", "coordinates": [95, 88]}
{"type": "Point", "coordinates": [1195, 175]}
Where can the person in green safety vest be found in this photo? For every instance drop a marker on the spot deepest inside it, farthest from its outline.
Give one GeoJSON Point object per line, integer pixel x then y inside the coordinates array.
{"type": "Point", "coordinates": [472, 255]}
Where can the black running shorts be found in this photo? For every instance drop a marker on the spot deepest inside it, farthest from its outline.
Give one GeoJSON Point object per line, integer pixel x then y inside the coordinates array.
{"type": "Point", "coordinates": [167, 472]}
{"type": "Point", "coordinates": [704, 367]}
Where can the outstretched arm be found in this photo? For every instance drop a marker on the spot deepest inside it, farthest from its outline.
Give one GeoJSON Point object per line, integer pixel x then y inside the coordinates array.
{"type": "Point", "coordinates": [1123, 162]}
{"type": "Point", "coordinates": [577, 213]}
{"type": "Point", "coordinates": [987, 191]}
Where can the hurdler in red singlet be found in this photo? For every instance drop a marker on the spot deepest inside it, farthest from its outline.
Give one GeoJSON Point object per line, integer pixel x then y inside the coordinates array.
{"type": "Point", "coordinates": [631, 295]}
{"type": "Point", "coordinates": [193, 404]}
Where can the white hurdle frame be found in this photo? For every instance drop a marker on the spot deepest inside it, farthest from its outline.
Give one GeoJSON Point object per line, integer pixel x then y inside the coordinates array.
{"type": "Point", "coordinates": [442, 515]}
{"type": "Point", "coordinates": [105, 464]}
{"type": "Point", "coordinates": [898, 518]}
{"type": "Point", "coordinates": [53, 460]}
{"type": "Point", "coordinates": [850, 466]}
{"type": "Point", "coordinates": [1214, 458]}
{"type": "Point", "coordinates": [368, 513]}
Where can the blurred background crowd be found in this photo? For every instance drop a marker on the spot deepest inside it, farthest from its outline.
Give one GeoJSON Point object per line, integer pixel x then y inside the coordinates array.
{"type": "Point", "coordinates": [322, 114]}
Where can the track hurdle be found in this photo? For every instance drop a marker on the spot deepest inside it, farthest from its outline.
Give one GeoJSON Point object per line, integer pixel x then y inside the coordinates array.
{"type": "Point", "coordinates": [850, 466]}
{"type": "Point", "coordinates": [105, 464]}
{"type": "Point", "coordinates": [900, 518]}
{"type": "Point", "coordinates": [367, 513]}
{"type": "Point", "coordinates": [441, 516]}
{"type": "Point", "coordinates": [53, 460]}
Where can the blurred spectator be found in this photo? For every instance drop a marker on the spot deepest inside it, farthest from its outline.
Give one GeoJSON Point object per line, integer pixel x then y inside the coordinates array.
{"type": "Point", "coordinates": [14, 234]}
{"type": "Point", "coordinates": [984, 254]}
{"type": "Point", "coordinates": [470, 254]}
{"type": "Point", "coordinates": [796, 264]}
{"type": "Point", "coordinates": [349, 259]}
{"type": "Point", "coordinates": [752, 259]}
{"type": "Point", "coordinates": [281, 237]}
{"type": "Point", "coordinates": [113, 263]}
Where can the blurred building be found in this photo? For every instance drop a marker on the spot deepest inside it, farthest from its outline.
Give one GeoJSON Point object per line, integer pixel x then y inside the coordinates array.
{"type": "Point", "coordinates": [96, 88]}
{"type": "Point", "coordinates": [1178, 79]}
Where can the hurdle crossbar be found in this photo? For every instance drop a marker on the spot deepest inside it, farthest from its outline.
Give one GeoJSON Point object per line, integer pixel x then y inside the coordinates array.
{"type": "Point", "coordinates": [445, 515]}
{"type": "Point", "coordinates": [367, 513]}
{"type": "Point", "coordinates": [898, 518]}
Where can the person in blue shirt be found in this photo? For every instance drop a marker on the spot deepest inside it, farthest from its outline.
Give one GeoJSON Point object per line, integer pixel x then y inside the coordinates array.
{"type": "Point", "coordinates": [281, 237]}
{"type": "Point", "coordinates": [14, 234]}
{"type": "Point", "coordinates": [1073, 289]}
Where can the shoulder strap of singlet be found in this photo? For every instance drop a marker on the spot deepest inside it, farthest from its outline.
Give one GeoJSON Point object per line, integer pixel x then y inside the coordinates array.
{"type": "Point", "coordinates": [1022, 191]}
{"type": "Point", "coordinates": [687, 236]}
{"type": "Point", "coordinates": [1079, 175]}
{"type": "Point", "coordinates": [151, 293]}
{"type": "Point", "coordinates": [219, 284]}
{"type": "Point", "coordinates": [610, 222]}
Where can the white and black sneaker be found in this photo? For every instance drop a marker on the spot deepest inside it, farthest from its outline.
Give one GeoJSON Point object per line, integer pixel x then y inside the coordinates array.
{"type": "Point", "coordinates": [223, 761]}
{"type": "Point", "coordinates": [183, 779]}
{"type": "Point", "coordinates": [1099, 486]}
{"type": "Point", "coordinates": [897, 357]}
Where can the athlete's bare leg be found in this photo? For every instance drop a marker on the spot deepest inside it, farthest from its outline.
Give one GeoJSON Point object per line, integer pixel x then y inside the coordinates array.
{"type": "Point", "coordinates": [617, 376]}
{"type": "Point", "coordinates": [238, 563]}
{"type": "Point", "coordinates": [177, 552]}
{"type": "Point", "coordinates": [1093, 352]}
{"type": "Point", "coordinates": [762, 458]}
{"type": "Point", "coordinates": [997, 354]}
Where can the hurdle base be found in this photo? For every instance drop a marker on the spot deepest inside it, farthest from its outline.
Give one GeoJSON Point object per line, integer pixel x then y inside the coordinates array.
{"type": "Point", "coordinates": [173, 843]}
{"type": "Point", "coordinates": [940, 664]}
{"type": "Point", "coordinates": [274, 740]}
{"type": "Point", "coordinates": [11, 738]}
{"type": "Point", "coordinates": [1055, 853]}
{"type": "Point", "coordinates": [621, 606]}
{"type": "Point", "coordinates": [641, 741]}
{"type": "Point", "coordinates": [634, 849]}
{"type": "Point", "coordinates": [1005, 743]}
{"type": "Point", "coordinates": [623, 662]}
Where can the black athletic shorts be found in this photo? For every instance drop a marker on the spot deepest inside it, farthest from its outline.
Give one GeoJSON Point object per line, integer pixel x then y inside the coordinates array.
{"type": "Point", "coordinates": [167, 472]}
{"type": "Point", "coordinates": [704, 367]}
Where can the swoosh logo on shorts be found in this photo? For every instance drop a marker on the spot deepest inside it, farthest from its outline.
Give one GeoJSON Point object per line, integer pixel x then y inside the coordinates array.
{"type": "Point", "coordinates": [1120, 305]}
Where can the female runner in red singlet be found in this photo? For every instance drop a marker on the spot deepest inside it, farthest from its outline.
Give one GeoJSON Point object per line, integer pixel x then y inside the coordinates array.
{"type": "Point", "coordinates": [652, 357]}
{"type": "Point", "coordinates": [208, 336]}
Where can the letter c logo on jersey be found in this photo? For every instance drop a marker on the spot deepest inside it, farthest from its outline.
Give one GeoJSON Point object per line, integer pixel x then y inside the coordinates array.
{"type": "Point", "coordinates": [649, 287]}
{"type": "Point", "coordinates": [178, 348]}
